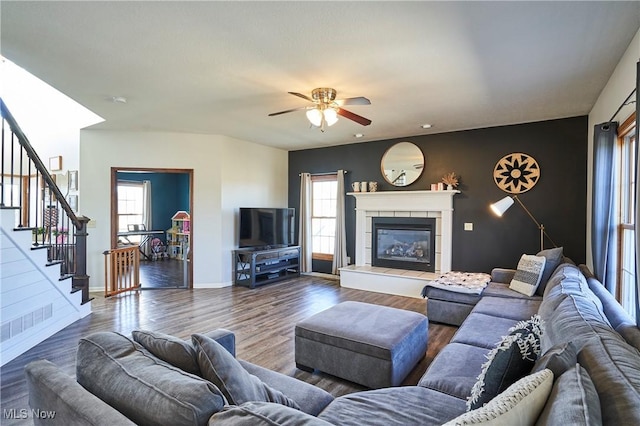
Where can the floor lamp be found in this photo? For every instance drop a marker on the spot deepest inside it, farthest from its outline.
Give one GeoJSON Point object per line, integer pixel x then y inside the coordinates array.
{"type": "Point", "coordinates": [499, 207]}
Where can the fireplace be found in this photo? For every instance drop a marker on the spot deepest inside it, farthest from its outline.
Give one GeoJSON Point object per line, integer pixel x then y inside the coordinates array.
{"type": "Point", "coordinates": [403, 243]}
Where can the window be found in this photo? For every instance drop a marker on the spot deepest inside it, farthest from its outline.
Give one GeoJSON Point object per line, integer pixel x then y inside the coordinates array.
{"type": "Point", "coordinates": [130, 206]}
{"type": "Point", "coordinates": [323, 215]}
{"type": "Point", "coordinates": [626, 174]}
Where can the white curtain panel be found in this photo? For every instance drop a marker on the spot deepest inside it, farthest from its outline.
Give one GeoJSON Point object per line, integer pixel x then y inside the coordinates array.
{"type": "Point", "coordinates": [305, 223]}
{"type": "Point", "coordinates": [340, 248]}
{"type": "Point", "coordinates": [146, 212]}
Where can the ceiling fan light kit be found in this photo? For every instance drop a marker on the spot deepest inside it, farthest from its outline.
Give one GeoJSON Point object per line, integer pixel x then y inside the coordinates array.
{"type": "Point", "coordinates": [327, 108]}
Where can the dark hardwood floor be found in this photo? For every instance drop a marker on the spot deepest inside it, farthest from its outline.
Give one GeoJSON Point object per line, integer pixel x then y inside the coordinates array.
{"type": "Point", "coordinates": [263, 320]}
{"type": "Point", "coordinates": [165, 273]}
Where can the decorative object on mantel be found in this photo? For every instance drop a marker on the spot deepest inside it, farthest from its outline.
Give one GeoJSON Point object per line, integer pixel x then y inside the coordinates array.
{"type": "Point", "coordinates": [516, 173]}
{"type": "Point", "coordinates": [355, 186]}
{"type": "Point", "coordinates": [363, 186]}
{"type": "Point", "coordinates": [451, 180]}
{"type": "Point", "coordinates": [373, 186]}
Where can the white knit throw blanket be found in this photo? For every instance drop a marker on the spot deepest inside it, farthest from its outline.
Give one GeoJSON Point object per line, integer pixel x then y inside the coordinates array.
{"type": "Point", "coordinates": [462, 282]}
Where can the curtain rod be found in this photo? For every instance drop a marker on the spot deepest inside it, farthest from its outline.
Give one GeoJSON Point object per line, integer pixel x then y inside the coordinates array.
{"type": "Point", "coordinates": [324, 173]}
{"type": "Point", "coordinates": [622, 105]}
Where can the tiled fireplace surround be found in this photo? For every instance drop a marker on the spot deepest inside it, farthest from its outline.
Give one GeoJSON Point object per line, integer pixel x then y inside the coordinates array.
{"type": "Point", "coordinates": [436, 204]}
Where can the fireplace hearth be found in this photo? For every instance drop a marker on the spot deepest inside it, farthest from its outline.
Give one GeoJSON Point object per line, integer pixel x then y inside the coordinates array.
{"type": "Point", "coordinates": [403, 243]}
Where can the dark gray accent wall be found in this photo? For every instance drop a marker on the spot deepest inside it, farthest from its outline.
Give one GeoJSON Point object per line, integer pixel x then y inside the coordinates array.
{"type": "Point", "coordinates": [558, 200]}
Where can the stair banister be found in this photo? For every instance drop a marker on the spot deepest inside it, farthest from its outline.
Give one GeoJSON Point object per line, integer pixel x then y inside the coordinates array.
{"type": "Point", "coordinates": [80, 279]}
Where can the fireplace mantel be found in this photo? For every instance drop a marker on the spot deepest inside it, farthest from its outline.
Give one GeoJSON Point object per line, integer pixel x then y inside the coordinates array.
{"type": "Point", "coordinates": [405, 200]}
{"type": "Point", "coordinates": [437, 204]}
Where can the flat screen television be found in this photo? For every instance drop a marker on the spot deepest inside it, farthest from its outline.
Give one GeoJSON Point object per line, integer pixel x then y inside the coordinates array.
{"type": "Point", "coordinates": [266, 227]}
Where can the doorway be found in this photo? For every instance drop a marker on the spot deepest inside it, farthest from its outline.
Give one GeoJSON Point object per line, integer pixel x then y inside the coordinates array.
{"type": "Point", "coordinates": [152, 208]}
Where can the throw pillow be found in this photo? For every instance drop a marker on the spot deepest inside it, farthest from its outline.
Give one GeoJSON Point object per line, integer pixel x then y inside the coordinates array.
{"type": "Point", "coordinates": [510, 360]}
{"type": "Point", "coordinates": [238, 386]}
{"type": "Point", "coordinates": [528, 275]}
{"type": "Point", "coordinates": [520, 404]}
{"type": "Point", "coordinates": [264, 414]}
{"type": "Point", "coordinates": [553, 258]}
{"type": "Point", "coordinates": [170, 349]}
{"type": "Point", "coordinates": [573, 400]}
{"type": "Point", "coordinates": [147, 390]}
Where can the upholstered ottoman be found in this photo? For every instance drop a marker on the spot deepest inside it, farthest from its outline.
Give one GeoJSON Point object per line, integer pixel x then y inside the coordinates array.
{"type": "Point", "coordinates": [375, 346]}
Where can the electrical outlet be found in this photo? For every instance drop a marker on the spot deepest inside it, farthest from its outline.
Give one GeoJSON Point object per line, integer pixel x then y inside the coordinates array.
{"type": "Point", "coordinates": [468, 226]}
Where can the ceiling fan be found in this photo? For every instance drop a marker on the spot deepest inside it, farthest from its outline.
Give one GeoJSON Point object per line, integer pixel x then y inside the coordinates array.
{"type": "Point", "coordinates": [327, 108]}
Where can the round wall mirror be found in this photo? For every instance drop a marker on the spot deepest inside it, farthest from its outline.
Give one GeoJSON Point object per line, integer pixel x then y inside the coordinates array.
{"type": "Point", "coordinates": [402, 164]}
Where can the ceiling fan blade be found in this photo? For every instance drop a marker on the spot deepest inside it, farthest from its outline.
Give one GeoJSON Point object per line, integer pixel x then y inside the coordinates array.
{"type": "Point", "coordinates": [360, 100]}
{"type": "Point", "coordinates": [355, 117]}
{"type": "Point", "coordinates": [286, 111]}
{"type": "Point", "coordinates": [300, 95]}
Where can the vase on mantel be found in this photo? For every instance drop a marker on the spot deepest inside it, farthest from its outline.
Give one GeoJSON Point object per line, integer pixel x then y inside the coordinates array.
{"type": "Point", "coordinates": [449, 187]}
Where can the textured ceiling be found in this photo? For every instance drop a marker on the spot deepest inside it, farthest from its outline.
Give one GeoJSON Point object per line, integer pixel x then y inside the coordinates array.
{"type": "Point", "coordinates": [221, 67]}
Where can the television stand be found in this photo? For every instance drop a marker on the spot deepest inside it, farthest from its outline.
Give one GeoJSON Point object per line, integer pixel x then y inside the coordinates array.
{"type": "Point", "coordinates": [256, 267]}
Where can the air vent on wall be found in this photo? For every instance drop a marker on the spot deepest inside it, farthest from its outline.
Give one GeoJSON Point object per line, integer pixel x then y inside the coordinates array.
{"type": "Point", "coordinates": [16, 326]}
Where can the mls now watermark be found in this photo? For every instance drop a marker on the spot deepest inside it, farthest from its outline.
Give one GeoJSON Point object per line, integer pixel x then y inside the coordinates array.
{"type": "Point", "coordinates": [24, 413]}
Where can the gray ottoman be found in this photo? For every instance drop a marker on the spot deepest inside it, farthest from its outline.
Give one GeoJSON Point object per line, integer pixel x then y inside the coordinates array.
{"type": "Point", "coordinates": [375, 346]}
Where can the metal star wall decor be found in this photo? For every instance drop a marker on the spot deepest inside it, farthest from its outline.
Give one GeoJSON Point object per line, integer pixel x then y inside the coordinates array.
{"type": "Point", "coordinates": [516, 173]}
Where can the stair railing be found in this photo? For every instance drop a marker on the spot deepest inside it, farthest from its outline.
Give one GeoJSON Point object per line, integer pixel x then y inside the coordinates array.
{"type": "Point", "coordinates": [27, 186]}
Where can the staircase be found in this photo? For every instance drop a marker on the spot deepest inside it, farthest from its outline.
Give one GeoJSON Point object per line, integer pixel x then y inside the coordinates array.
{"type": "Point", "coordinates": [43, 282]}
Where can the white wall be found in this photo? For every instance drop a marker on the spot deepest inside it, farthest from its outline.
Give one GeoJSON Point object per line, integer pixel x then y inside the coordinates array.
{"type": "Point", "coordinates": [34, 303]}
{"type": "Point", "coordinates": [228, 173]}
{"type": "Point", "coordinates": [50, 119]}
{"type": "Point", "coordinates": [620, 84]}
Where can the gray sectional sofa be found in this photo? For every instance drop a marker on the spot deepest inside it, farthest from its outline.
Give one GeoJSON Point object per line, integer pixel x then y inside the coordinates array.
{"type": "Point", "coordinates": [589, 343]}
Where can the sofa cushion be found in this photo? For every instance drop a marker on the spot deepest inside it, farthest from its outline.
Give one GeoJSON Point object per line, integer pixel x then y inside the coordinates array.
{"type": "Point", "coordinates": [51, 390]}
{"type": "Point", "coordinates": [264, 414]}
{"type": "Point", "coordinates": [510, 360]}
{"type": "Point", "coordinates": [454, 370]}
{"type": "Point", "coordinates": [310, 398]}
{"type": "Point", "coordinates": [553, 258]}
{"type": "Point", "coordinates": [576, 319]}
{"type": "Point", "coordinates": [558, 359]}
{"type": "Point", "coordinates": [528, 275]}
{"type": "Point", "coordinates": [573, 400]}
{"type": "Point", "coordinates": [397, 406]}
{"type": "Point", "coordinates": [173, 350]}
{"type": "Point", "coordinates": [238, 386]}
{"type": "Point", "coordinates": [614, 311]}
{"type": "Point", "coordinates": [483, 330]}
{"type": "Point", "coordinates": [495, 289]}
{"type": "Point", "coordinates": [630, 333]}
{"type": "Point", "coordinates": [520, 404]}
{"type": "Point", "coordinates": [177, 352]}
{"type": "Point", "coordinates": [515, 308]}
{"type": "Point", "coordinates": [145, 389]}
{"type": "Point", "coordinates": [614, 368]}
